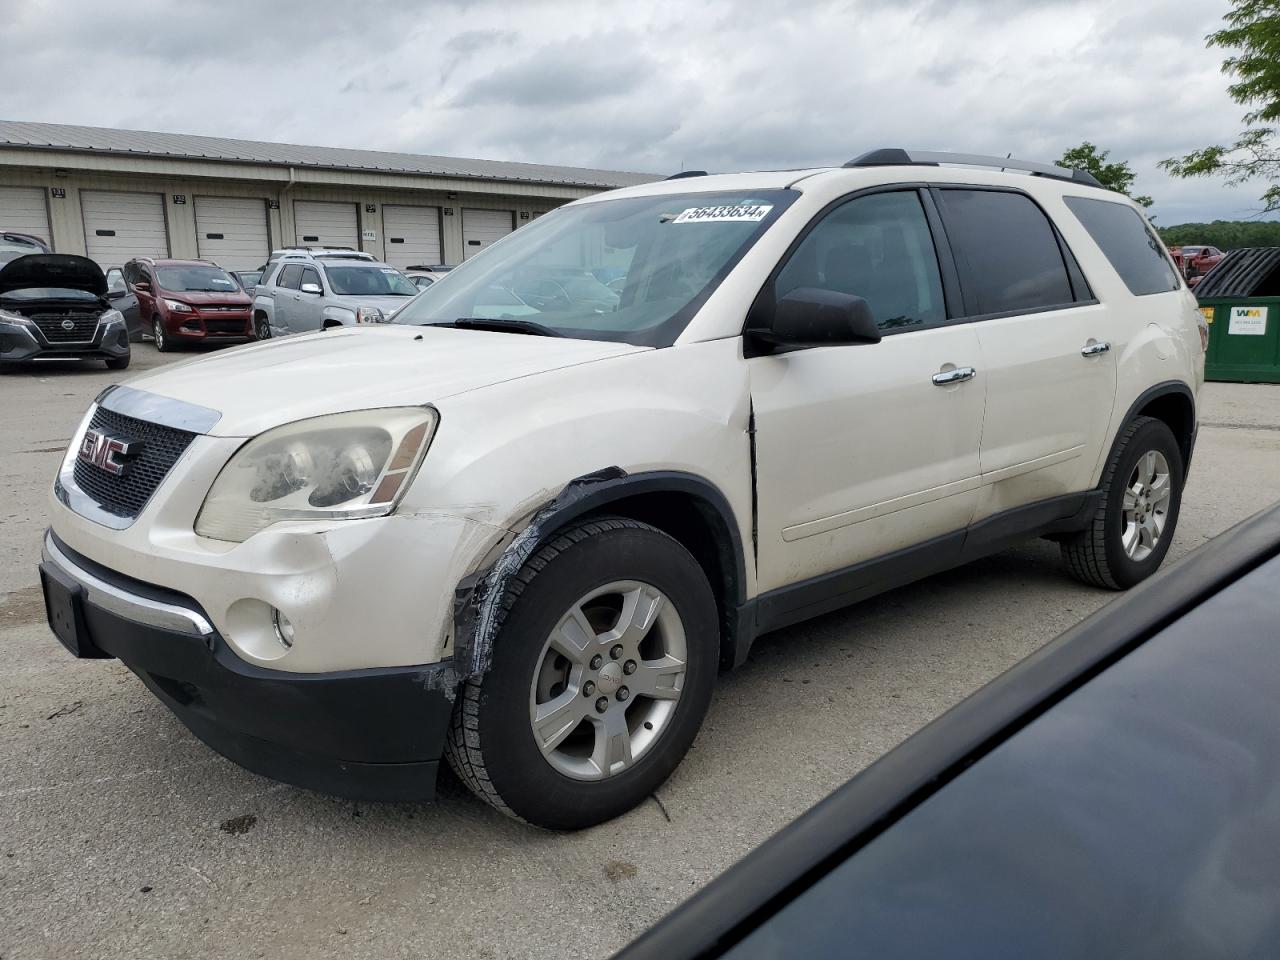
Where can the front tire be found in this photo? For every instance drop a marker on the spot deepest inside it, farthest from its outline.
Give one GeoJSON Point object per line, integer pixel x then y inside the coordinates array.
{"type": "Point", "coordinates": [161, 338]}
{"type": "Point", "coordinates": [602, 671]}
{"type": "Point", "coordinates": [261, 328]}
{"type": "Point", "coordinates": [1136, 518]}
{"type": "Point", "coordinates": [118, 363]}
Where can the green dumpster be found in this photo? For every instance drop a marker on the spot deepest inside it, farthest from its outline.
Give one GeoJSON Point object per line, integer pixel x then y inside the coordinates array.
{"type": "Point", "coordinates": [1240, 298]}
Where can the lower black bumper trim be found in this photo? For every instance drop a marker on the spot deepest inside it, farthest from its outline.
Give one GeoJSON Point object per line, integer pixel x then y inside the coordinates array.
{"type": "Point", "coordinates": [375, 734]}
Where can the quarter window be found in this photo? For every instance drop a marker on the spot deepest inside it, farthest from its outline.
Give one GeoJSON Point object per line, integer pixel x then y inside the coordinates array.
{"type": "Point", "coordinates": [1006, 251]}
{"type": "Point", "coordinates": [1128, 243]}
{"type": "Point", "coordinates": [877, 247]}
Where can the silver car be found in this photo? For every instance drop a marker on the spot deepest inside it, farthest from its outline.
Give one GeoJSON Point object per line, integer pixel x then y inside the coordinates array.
{"type": "Point", "coordinates": [301, 294]}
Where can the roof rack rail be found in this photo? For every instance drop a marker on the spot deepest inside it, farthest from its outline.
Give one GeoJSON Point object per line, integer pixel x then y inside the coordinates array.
{"type": "Point", "coordinates": [896, 156]}
{"type": "Point", "coordinates": [686, 173]}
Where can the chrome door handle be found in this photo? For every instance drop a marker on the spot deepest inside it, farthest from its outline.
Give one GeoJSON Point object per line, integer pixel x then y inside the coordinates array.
{"type": "Point", "coordinates": [958, 375]}
{"type": "Point", "coordinates": [1094, 347]}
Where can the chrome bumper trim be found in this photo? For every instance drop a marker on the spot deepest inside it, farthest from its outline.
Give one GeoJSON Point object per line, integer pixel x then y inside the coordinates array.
{"type": "Point", "coordinates": [131, 606]}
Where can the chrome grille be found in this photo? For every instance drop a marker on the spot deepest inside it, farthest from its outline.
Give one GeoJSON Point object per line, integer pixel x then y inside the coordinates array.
{"type": "Point", "coordinates": [125, 495]}
{"type": "Point", "coordinates": [83, 326]}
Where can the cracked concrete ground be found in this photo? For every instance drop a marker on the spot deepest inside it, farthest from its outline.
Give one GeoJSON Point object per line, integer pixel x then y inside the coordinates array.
{"type": "Point", "coordinates": [122, 836]}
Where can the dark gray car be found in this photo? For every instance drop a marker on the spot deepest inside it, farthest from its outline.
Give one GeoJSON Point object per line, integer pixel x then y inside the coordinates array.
{"type": "Point", "coordinates": [54, 306]}
{"type": "Point", "coordinates": [124, 300]}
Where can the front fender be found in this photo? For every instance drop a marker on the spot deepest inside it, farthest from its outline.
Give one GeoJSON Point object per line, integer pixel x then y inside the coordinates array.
{"type": "Point", "coordinates": [337, 315]}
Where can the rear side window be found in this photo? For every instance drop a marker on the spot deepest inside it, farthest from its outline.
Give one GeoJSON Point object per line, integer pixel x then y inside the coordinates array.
{"type": "Point", "coordinates": [1128, 243]}
{"type": "Point", "coordinates": [310, 276]}
{"type": "Point", "coordinates": [1007, 252]}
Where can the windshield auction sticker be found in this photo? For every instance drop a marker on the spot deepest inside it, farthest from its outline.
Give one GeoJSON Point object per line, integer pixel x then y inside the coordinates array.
{"type": "Point", "coordinates": [741, 213]}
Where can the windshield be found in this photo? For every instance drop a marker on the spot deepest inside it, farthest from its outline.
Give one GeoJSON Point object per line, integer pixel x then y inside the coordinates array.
{"type": "Point", "coordinates": [12, 247]}
{"type": "Point", "coordinates": [665, 254]}
{"type": "Point", "coordinates": [249, 278]}
{"type": "Point", "coordinates": [369, 282]}
{"type": "Point", "coordinates": [196, 278]}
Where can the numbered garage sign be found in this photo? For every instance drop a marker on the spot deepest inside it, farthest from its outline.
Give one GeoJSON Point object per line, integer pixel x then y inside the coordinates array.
{"type": "Point", "coordinates": [1248, 321]}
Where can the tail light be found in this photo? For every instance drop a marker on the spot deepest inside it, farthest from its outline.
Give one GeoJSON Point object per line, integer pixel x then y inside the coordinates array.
{"type": "Point", "coordinates": [1203, 319]}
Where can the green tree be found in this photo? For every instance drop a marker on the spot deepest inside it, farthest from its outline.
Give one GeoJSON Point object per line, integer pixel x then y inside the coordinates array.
{"type": "Point", "coordinates": [1253, 32]}
{"type": "Point", "coordinates": [1224, 234]}
{"type": "Point", "coordinates": [1113, 176]}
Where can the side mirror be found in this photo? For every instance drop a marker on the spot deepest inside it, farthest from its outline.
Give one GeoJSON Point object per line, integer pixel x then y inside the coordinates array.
{"type": "Point", "coordinates": [311, 288]}
{"type": "Point", "coordinates": [142, 285]}
{"type": "Point", "coordinates": [812, 317]}
{"type": "Point", "coordinates": [117, 292]}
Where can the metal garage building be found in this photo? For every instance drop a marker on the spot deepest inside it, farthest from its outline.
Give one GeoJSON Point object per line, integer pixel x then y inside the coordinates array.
{"type": "Point", "coordinates": [117, 194]}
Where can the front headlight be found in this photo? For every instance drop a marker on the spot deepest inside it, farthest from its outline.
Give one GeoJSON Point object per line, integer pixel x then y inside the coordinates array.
{"type": "Point", "coordinates": [340, 467]}
{"type": "Point", "coordinates": [110, 317]}
{"type": "Point", "coordinates": [177, 306]}
{"type": "Point", "coordinates": [20, 320]}
{"type": "Point", "coordinates": [369, 315]}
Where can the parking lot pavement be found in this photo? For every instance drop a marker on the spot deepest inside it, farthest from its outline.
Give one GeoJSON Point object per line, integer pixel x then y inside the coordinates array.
{"type": "Point", "coordinates": [122, 836]}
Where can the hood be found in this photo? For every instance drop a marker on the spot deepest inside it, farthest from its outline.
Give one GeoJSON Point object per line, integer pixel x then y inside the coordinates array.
{"type": "Point", "coordinates": [263, 385]}
{"type": "Point", "coordinates": [201, 297]}
{"type": "Point", "coordinates": [53, 270]}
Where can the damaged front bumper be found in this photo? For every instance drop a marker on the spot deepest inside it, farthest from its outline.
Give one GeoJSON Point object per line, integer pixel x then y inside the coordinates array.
{"type": "Point", "coordinates": [369, 734]}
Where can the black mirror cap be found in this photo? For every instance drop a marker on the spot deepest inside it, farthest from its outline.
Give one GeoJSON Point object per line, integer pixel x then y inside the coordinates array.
{"type": "Point", "coordinates": [813, 317]}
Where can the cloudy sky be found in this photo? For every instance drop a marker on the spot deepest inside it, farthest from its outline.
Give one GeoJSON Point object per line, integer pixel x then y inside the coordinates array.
{"type": "Point", "coordinates": [647, 85]}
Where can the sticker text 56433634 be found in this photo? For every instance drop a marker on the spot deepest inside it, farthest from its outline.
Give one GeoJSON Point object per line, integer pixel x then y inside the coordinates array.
{"type": "Point", "coordinates": [743, 212]}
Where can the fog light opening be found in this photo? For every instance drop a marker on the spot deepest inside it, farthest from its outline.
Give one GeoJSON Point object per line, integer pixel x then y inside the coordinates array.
{"type": "Point", "coordinates": [284, 628]}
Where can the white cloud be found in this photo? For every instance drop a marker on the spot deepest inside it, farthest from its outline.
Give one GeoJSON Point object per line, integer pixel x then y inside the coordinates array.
{"type": "Point", "coordinates": [652, 86]}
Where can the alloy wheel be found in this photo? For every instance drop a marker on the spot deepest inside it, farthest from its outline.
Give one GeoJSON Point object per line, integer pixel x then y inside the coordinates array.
{"type": "Point", "coordinates": [608, 680]}
{"type": "Point", "coordinates": [157, 332]}
{"type": "Point", "coordinates": [1145, 509]}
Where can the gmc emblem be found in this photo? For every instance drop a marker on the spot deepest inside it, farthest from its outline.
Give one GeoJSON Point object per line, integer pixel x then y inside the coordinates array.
{"type": "Point", "coordinates": [108, 453]}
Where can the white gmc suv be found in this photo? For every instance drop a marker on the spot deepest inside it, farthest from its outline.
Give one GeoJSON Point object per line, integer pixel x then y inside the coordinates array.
{"type": "Point", "coordinates": [525, 534]}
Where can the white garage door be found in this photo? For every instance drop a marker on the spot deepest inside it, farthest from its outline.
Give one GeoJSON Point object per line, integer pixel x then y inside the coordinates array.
{"type": "Point", "coordinates": [121, 226]}
{"type": "Point", "coordinates": [413, 235]}
{"type": "Point", "coordinates": [23, 210]}
{"type": "Point", "coordinates": [232, 231]}
{"type": "Point", "coordinates": [325, 224]}
{"type": "Point", "coordinates": [482, 227]}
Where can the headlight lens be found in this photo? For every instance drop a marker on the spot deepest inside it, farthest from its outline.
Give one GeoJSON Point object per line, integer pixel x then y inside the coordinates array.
{"type": "Point", "coordinates": [110, 317]}
{"type": "Point", "coordinates": [177, 306]}
{"type": "Point", "coordinates": [340, 467]}
{"type": "Point", "coordinates": [369, 315]}
{"type": "Point", "coordinates": [8, 317]}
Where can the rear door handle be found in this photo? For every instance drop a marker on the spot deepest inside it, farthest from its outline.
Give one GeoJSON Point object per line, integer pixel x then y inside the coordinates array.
{"type": "Point", "coordinates": [1094, 347]}
{"type": "Point", "coordinates": [957, 375]}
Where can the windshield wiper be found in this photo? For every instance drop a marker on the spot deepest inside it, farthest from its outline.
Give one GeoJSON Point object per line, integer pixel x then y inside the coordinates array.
{"type": "Point", "coordinates": [499, 324]}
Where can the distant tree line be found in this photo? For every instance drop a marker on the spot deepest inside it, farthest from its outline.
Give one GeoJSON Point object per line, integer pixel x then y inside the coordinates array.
{"type": "Point", "coordinates": [1224, 234]}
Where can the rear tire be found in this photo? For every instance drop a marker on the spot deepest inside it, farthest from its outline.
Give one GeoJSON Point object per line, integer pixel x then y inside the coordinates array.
{"type": "Point", "coordinates": [603, 667]}
{"type": "Point", "coordinates": [1135, 521]}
